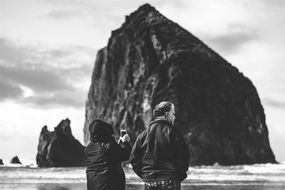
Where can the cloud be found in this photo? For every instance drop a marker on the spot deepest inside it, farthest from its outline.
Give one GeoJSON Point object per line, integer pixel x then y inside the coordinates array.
{"type": "Point", "coordinates": [177, 4]}
{"type": "Point", "coordinates": [269, 4]}
{"type": "Point", "coordinates": [23, 55]}
{"type": "Point", "coordinates": [233, 39]}
{"type": "Point", "coordinates": [43, 80]}
{"type": "Point", "coordinates": [99, 13]}
{"type": "Point", "coordinates": [273, 103]}
{"type": "Point", "coordinates": [64, 14]}
{"type": "Point", "coordinates": [8, 51]}
{"type": "Point", "coordinates": [52, 76]}
{"type": "Point", "coordinates": [9, 90]}
{"type": "Point", "coordinates": [277, 3]}
{"type": "Point", "coordinates": [63, 98]}
{"type": "Point", "coordinates": [48, 87]}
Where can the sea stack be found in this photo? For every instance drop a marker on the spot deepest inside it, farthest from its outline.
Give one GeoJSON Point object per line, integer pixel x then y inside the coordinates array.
{"type": "Point", "coordinates": [59, 148]}
{"type": "Point", "coordinates": [15, 160]}
{"type": "Point", "coordinates": [150, 59]}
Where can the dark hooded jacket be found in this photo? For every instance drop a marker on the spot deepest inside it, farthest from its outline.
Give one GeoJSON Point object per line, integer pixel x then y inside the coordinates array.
{"type": "Point", "coordinates": [103, 157]}
{"type": "Point", "coordinates": [160, 152]}
{"type": "Point", "coordinates": [103, 161]}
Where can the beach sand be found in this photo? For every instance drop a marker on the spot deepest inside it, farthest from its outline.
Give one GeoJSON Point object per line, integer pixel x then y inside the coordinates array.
{"type": "Point", "coordinates": [82, 186]}
{"type": "Point", "coordinates": [242, 177]}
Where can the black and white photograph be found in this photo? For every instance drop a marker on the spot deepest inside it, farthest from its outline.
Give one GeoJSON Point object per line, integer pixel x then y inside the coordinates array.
{"type": "Point", "coordinates": [142, 95]}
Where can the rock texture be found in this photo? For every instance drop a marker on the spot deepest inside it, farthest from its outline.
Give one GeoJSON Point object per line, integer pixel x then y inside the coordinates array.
{"type": "Point", "coordinates": [150, 59]}
{"type": "Point", "coordinates": [15, 160]}
{"type": "Point", "coordinates": [59, 148]}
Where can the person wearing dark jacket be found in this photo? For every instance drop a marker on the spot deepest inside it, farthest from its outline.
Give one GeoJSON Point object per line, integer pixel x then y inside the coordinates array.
{"type": "Point", "coordinates": [103, 157]}
{"type": "Point", "coordinates": [160, 155]}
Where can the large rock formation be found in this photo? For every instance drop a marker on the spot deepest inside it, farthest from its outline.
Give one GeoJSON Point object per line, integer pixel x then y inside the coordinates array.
{"type": "Point", "coordinates": [150, 59]}
{"type": "Point", "coordinates": [59, 148]}
{"type": "Point", "coordinates": [15, 160]}
{"type": "Point", "coordinates": [1, 162]}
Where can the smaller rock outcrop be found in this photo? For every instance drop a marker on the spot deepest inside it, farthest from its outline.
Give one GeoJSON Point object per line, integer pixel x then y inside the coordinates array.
{"type": "Point", "coordinates": [15, 160]}
{"type": "Point", "coordinates": [59, 148]}
{"type": "Point", "coordinates": [1, 162]}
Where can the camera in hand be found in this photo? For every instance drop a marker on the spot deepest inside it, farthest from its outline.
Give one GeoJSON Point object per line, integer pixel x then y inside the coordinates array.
{"type": "Point", "coordinates": [123, 132]}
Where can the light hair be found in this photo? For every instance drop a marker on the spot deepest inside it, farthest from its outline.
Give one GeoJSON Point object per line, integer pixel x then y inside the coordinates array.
{"type": "Point", "coordinates": [162, 108]}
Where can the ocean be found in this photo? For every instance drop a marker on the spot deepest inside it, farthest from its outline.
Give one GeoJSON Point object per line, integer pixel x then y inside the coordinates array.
{"type": "Point", "coordinates": [241, 177]}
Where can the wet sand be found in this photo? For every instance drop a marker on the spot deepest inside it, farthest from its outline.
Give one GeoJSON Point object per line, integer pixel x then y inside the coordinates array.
{"type": "Point", "coordinates": [242, 177]}
{"type": "Point", "coordinates": [82, 186]}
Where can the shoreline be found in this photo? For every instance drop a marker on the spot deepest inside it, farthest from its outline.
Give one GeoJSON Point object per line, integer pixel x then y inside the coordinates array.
{"type": "Point", "coordinates": [82, 186]}
{"type": "Point", "coordinates": [245, 177]}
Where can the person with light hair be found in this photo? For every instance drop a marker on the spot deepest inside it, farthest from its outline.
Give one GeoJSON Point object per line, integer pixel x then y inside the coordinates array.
{"type": "Point", "coordinates": [160, 155]}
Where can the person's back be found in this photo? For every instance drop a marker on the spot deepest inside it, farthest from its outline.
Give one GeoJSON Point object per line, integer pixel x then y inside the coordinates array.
{"type": "Point", "coordinates": [103, 162]}
{"type": "Point", "coordinates": [160, 155]}
{"type": "Point", "coordinates": [103, 157]}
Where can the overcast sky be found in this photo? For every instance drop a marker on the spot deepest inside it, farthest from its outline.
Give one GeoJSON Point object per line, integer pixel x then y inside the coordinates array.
{"type": "Point", "coordinates": [48, 48]}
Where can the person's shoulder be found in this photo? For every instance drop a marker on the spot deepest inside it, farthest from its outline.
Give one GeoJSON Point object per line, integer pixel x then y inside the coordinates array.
{"type": "Point", "coordinates": [160, 122]}
{"type": "Point", "coordinates": [106, 147]}
{"type": "Point", "coordinates": [143, 133]}
{"type": "Point", "coordinates": [92, 146]}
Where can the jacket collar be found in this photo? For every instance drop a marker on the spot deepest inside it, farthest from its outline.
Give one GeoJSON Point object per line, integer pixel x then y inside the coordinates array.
{"type": "Point", "coordinates": [160, 120]}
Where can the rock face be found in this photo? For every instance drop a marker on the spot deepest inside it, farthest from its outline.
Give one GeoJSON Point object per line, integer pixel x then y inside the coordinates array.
{"type": "Point", "coordinates": [59, 148]}
{"type": "Point", "coordinates": [15, 160]}
{"type": "Point", "coordinates": [151, 59]}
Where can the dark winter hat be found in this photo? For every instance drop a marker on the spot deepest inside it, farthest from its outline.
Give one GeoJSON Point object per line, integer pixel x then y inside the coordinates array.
{"type": "Point", "coordinates": [100, 130]}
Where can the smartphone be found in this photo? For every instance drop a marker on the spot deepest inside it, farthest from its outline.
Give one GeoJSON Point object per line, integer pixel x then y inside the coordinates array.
{"type": "Point", "coordinates": [123, 132]}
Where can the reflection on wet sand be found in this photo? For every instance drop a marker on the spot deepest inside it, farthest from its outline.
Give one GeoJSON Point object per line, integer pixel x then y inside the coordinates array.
{"type": "Point", "coordinates": [71, 186]}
